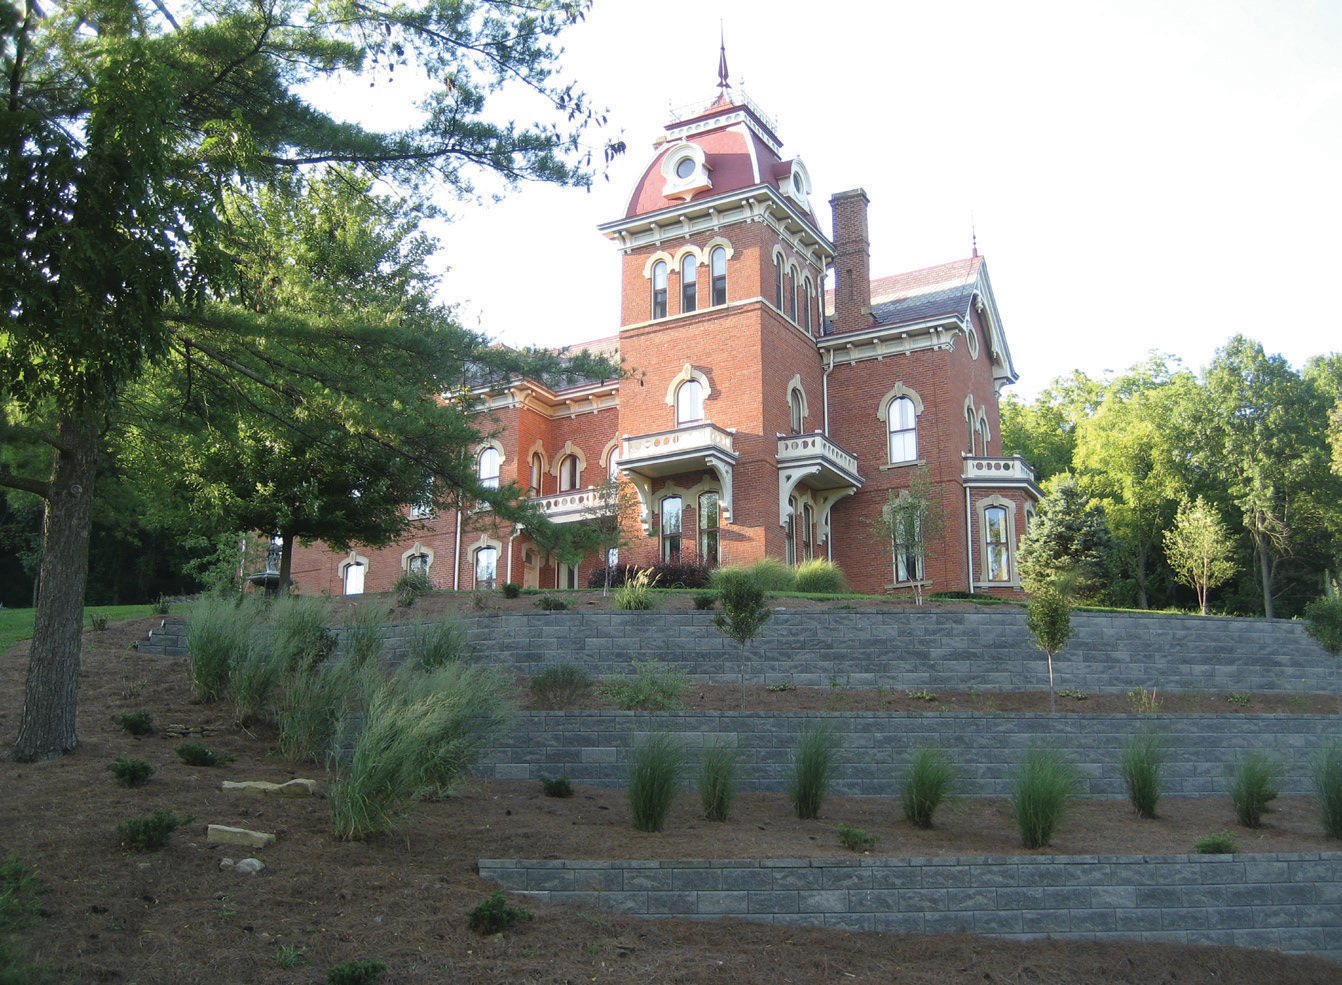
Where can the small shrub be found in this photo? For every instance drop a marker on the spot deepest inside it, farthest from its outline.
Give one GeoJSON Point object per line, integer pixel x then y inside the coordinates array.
{"type": "Point", "coordinates": [920, 696]}
{"type": "Point", "coordinates": [636, 592]}
{"type": "Point", "coordinates": [1064, 692]}
{"type": "Point", "coordinates": [1323, 621]}
{"type": "Point", "coordinates": [1325, 773]}
{"type": "Point", "coordinates": [137, 722]}
{"type": "Point", "coordinates": [655, 768]}
{"type": "Point", "coordinates": [435, 643]}
{"type": "Point", "coordinates": [20, 893]}
{"type": "Point", "coordinates": [511, 589]}
{"type": "Point", "coordinates": [551, 604]}
{"type": "Point", "coordinates": [1242, 700]}
{"type": "Point", "coordinates": [162, 605]}
{"type": "Point", "coordinates": [194, 755]}
{"type": "Point", "coordinates": [1041, 789]}
{"type": "Point", "coordinates": [556, 786]}
{"type": "Point", "coordinates": [1143, 701]}
{"type": "Point", "coordinates": [98, 622]}
{"type": "Point", "coordinates": [151, 832]}
{"type": "Point", "coordinates": [813, 761]}
{"type": "Point", "coordinates": [785, 686]}
{"type": "Point", "coordinates": [288, 957]}
{"type": "Point", "coordinates": [131, 772]}
{"type": "Point", "coordinates": [1253, 785]}
{"type": "Point", "coordinates": [1142, 766]}
{"type": "Point", "coordinates": [705, 600]}
{"type": "Point", "coordinates": [216, 639]}
{"type": "Point", "coordinates": [820, 577]}
{"type": "Point", "coordinates": [1216, 843]}
{"type": "Point", "coordinates": [411, 586]}
{"type": "Point", "coordinates": [719, 778]}
{"type": "Point", "coordinates": [931, 778]}
{"type": "Point", "coordinates": [563, 685]}
{"type": "Point", "coordinates": [495, 915]}
{"type": "Point", "coordinates": [355, 973]}
{"type": "Point", "coordinates": [856, 839]}
{"type": "Point", "coordinates": [654, 687]}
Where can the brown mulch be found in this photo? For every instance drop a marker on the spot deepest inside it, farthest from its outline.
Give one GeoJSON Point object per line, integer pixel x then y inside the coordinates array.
{"type": "Point", "coordinates": [109, 915]}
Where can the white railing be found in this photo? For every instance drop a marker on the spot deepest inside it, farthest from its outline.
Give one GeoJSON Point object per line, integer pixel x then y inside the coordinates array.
{"type": "Point", "coordinates": [795, 447]}
{"type": "Point", "coordinates": [681, 441]}
{"type": "Point", "coordinates": [576, 504]}
{"type": "Point", "coordinates": [998, 468]}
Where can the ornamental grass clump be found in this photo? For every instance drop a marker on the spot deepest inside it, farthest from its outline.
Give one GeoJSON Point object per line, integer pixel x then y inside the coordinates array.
{"type": "Point", "coordinates": [813, 760]}
{"type": "Point", "coordinates": [1325, 774]}
{"type": "Point", "coordinates": [216, 639]}
{"type": "Point", "coordinates": [312, 701]}
{"type": "Point", "coordinates": [719, 779]}
{"type": "Point", "coordinates": [1142, 765]}
{"type": "Point", "coordinates": [559, 686]}
{"type": "Point", "coordinates": [820, 577]}
{"type": "Point", "coordinates": [636, 592]}
{"type": "Point", "coordinates": [420, 733]}
{"type": "Point", "coordinates": [1042, 787]}
{"type": "Point", "coordinates": [932, 777]}
{"type": "Point", "coordinates": [656, 765]}
{"type": "Point", "coordinates": [436, 642]}
{"type": "Point", "coordinates": [1253, 785]}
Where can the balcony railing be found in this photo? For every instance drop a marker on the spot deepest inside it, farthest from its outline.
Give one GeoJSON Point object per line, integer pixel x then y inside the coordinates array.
{"type": "Point", "coordinates": [571, 506]}
{"type": "Point", "coordinates": [688, 441]}
{"type": "Point", "coordinates": [1011, 469]}
{"type": "Point", "coordinates": [794, 448]}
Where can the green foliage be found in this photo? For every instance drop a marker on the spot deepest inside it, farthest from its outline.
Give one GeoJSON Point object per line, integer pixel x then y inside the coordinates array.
{"type": "Point", "coordinates": [136, 722]}
{"type": "Point", "coordinates": [1325, 774]}
{"type": "Point", "coordinates": [551, 603]}
{"type": "Point", "coordinates": [654, 687]}
{"type": "Point", "coordinates": [98, 622]}
{"type": "Point", "coordinates": [20, 891]}
{"type": "Point", "coordinates": [1240, 700]}
{"type": "Point", "coordinates": [556, 786]}
{"type": "Point", "coordinates": [1253, 785]}
{"type": "Point", "coordinates": [301, 639]}
{"type": "Point", "coordinates": [819, 576]}
{"type": "Point", "coordinates": [769, 573]}
{"type": "Point", "coordinates": [197, 755]}
{"type": "Point", "coordinates": [362, 635]}
{"type": "Point", "coordinates": [1068, 542]}
{"type": "Point", "coordinates": [254, 676]}
{"type": "Point", "coordinates": [562, 685]}
{"type": "Point", "coordinates": [719, 778]}
{"type": "Point", "coordinates": [438, 642]}
{"type": "Point", "coordinates": [931, 778]}
{"type": "Point", "coordinates": [1072, 693]}
{"type": "Point", "coordinates": [411, 586]}
{"type": "Point", "coordinates": [636, 592]}
{"type": "Point", "coordinates": [131, 772]}
{"type": "Point", "coordinates": [1216, 843]}
{"type": "Point", "coordinates": [912, 526]}
{"type": "Point", "coordinates": [856, 839]}
{"type": "Point", "coordinates": [355, 973]}
{"type": "Point", "coordinates": [1142, 766]}
{"type": "Point", "coordinates": [217, 632]}
{"type": "Point", "coordinates": [151, 832]}
{"type": "Point", "coordinates": [312, 701]}
{"type": "Point", "coordinates": [1048, 617]}
{"type": "Point", "coordinates": [1323, 621]}
{"type": "Point", "coordinates": [1042, 787]}
{"type": "Point", "coordinates": [495, 915]}
{"type": "Point", "coordinates": [420, 732]}
{"type": "Point", "coordinates": [923, 695]}
{"type": "Point", "coordinates": [288, 956]}
{"type": "Point", "coordinates": [656, 766]}
{"type": "Point", "coordinates": [1143, 701]}
{"type": "Point", "coordinates": [705, 600]}
{"type": "Point", "coordinates": [813, 761]}
{"type": "Point", "coordinates": [511, 589]}
{"type": "Point", "coordinates": [1199, 549]}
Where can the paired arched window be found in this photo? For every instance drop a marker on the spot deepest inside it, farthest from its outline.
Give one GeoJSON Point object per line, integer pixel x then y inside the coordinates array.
{"type": "Point", "coordinates": [718, 266]}
{"type": "Point", "coordinates": [537, 473]}
{"type": "Point", "coordinates": [902, 420]}
{"type": "Point", "coordinates": [689, 402]}
{"type": "Point", "coordinates": [659, 271]}
{"type": "Point", "coordinates": [710, 522]}
{"type": "Point", "coordinates": [487, 467]}
{"type": "Point", "coordinates": [806, 311]}
{"type": "Point", "coordinates": [688, 272]}
{"type": "Point", "coordinates": [778, 283]}
{"type": "Point", "coordinates": [569, 471]}
{"type": "Point", "coordinates": [792, 294]}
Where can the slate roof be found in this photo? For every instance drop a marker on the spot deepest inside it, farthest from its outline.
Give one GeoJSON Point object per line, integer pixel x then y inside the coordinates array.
{"type": "Point", "coordinates": [943, 290]}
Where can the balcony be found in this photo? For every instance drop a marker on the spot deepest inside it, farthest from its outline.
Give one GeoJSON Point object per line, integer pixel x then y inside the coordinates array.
{"type": "Point", "coordinates": [828, 465]}
{"type": "Point", "coordinates": [998, 471]}
{"type": "Point", "coordinates": [693, 448]}
{"type": "Point", "coordinates": [571, 506]}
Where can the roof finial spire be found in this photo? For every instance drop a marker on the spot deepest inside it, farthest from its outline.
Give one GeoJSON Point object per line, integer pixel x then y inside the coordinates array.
{"type": "Point", "coordinates": [723, 84]}
{"type": "Point", "coordinates": [973, 235]}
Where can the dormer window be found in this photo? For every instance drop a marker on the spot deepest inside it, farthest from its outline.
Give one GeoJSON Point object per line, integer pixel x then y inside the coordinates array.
{"type": "Point", "coordinates": [685, 168]}
{"type": "Point", "coordinates": [686, 172]}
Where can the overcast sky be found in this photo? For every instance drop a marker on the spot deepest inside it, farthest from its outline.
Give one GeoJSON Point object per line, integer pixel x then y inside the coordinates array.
{"type": "Point", "coordinates": [1142, 174]}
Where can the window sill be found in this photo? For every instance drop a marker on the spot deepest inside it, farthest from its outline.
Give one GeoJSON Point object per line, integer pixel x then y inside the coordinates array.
{"type": "Point", "coordinates": [903, 465]}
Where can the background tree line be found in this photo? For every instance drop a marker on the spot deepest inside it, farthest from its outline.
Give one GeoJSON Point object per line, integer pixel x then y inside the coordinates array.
{"type": "Point", "coordinates": [1157, 474]}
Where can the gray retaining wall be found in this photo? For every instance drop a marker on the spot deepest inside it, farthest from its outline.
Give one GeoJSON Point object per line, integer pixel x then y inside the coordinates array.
{"type": "Point", "coordinates": [591, 747]}
{"type": "Point", "coordinates": [1290, 902]}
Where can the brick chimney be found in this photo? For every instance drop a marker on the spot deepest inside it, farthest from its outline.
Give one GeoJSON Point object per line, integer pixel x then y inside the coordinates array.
{"type": "Point", "coordinates": [852, 261]}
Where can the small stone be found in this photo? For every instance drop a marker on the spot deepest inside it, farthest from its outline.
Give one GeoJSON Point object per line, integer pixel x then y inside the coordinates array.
{"type": "Point", "coordinates": [251, 866]}
{"type": "Point", "coordinates": [223, 835]}
{"type": "Point", "coordinates": [294, 788]}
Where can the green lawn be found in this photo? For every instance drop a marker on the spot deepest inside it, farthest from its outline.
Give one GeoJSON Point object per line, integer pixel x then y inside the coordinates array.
{"type": "Point", "coordinates": [17, 624]}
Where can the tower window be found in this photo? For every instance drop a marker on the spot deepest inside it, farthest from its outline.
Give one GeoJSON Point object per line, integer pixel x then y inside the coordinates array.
{"type": "Point", "coordinates": [688, 271]}
{"type": "Point", "coordinates": [659, 289]}
{"type": "Point", "coordinates": [673, 508]}
{"type": "Point", "coordinates": [568, 473]}
{"type": "Point", "coordinates": [903, 421]}
{"type": "Point", "coordinates": [684, 167]}
{"type": "Point", "coordinates": [792, 294]}
{"type": "Point", "coordinates": [718, 261]}
{"type": "Point", "coordinates": [778, 283]}
{"type": "Point", "coordinates": [537, 473]}
{"type": "Point", "coordinates": [806, 311]}
{"type": "Point", "coordinates": [689, 402]}
{"type": "Point", "coordinates": [488, 468]}
{"type": "Point", "coordinates": [797, 410]}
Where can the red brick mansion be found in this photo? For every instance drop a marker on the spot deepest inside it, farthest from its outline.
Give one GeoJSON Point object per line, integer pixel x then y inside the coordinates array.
{"type": "Point", "coordinates": [766, 415]}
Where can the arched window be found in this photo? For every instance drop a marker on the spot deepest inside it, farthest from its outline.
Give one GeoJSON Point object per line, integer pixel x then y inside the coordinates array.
{"type": "Point", "coordinates": [907, 549]}
{"type": "Point", "coordinates": [718, 265]}
{"type": "Point", "coordinates": [806, 311]}
{"type": "Point", "coordinates": [568, 473]}
{"type": "Point", "coordinates": [417, 564]}
{"type": "Point", "coordinates": [353, 579]}
{"type": "Point", "coordinates": [488, 467]}
{"type": "Point", "coordinates": [792, 294]}
{"type": "Point", "coordinates": [902, 419]}
{"type": "Point", "coordinates": [659, 289]}
{"type": "Point", "coordinates": [688, 272]}
{"type": "Point", "coordinates": [486, 567]}
{"type": "Point", "coordinates": [807, 526]}
{"type": "Point", "coordinates": [537, 473]}
{"type": "Point", "coordinates": [710, 522]}
{"type": "Point", "coordinates": [790, 534]}
{"type": "Point", "coordinates": [778, 283]}
{"type": "Point", "coordinates": [689, 402]}
{"type": "Point", "coordinates": [797, 410]}
{"type": "Point", "coordinates": [673, 508]}
{"type": "Point", "coordinates": [997, 543]}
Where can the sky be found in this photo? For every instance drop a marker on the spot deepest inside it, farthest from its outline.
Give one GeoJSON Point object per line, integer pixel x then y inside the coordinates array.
{"type": "Point", "coordinates": [1141, 175]}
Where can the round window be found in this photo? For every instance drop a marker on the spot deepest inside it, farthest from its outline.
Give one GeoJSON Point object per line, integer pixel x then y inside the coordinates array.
{"type": "Point", "coordinates": [797, 186]}
{"type": "Point", "coordinates": [684, 167]}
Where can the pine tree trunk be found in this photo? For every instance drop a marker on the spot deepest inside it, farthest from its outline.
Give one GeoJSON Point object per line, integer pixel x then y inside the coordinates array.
{"type": "Point", "coordinates": [51, 697]}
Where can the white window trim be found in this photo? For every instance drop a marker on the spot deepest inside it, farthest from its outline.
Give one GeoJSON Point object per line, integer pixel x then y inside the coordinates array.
{"type": "Point", "coordinates": [1013, 544]}
{"type": "Point", "coordinates": [415, 551]}
{"type": "Point", "coordinates": [883, 415]}
{"type": "Point", "coordinates": [688, 373]}
{"type": "Point", "coordinates": [481, 543]}
{"type": "Point", "coordinates": [353, 559]}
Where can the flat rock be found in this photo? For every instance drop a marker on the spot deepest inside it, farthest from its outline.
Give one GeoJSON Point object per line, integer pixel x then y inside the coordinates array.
{"type": "Point", "coordinates": [250, 866]}
{"type": "Point", "coordinates": [294, 788]}
{"type": "Point", "coordinates": [221, 834]}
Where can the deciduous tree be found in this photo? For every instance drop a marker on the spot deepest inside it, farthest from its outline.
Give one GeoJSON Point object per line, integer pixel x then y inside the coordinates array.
{"type": "Point", "coordinates": [1199, 549]}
